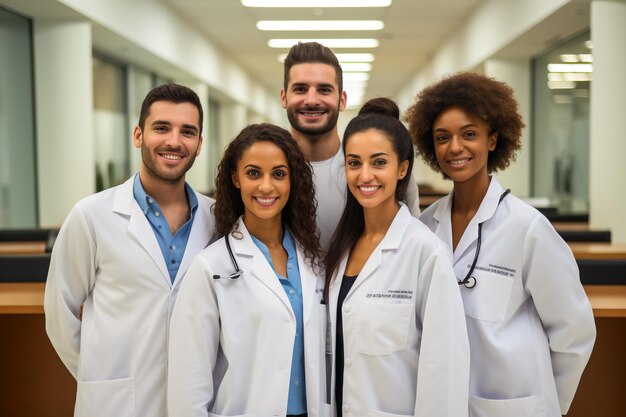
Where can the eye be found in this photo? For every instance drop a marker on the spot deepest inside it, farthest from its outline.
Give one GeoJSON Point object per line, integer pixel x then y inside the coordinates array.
{"type": "Point", "coordinates": [380, 162]}
{"type": "Point", "coordinates": [280, 173]}
{"type": "Point", "coordinates": [253, 172]}
{"type": "Point", "coordinates": [160, 128]}
{"type": "Point", "coordinates": [353, 163]}
{"type": "Point", "coordinates": [299, 89]}
{"type": "Point", "coordinates": [469, 134]}
{"type": "Point", "coordinates": [325, 90]}
{"type": "Point", "coordinates": [189, 132]}
{"type": "Point", "coordinates": [441, 138]}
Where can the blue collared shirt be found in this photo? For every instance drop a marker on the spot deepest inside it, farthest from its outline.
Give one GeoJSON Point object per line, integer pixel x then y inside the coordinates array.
{"type": "Point", "coordinates": [293, 288]}
{"type": "Point", "coordinates": [172, 247]}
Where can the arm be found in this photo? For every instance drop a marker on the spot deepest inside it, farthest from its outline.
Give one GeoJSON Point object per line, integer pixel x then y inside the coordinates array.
{"type": "Point", "coordinates": [71, 276]}
{"type": "Point", "coordinates": [193, 344]}
{"type": "Point", "coordinates": [551, 277]}
{"type": "Point", "coordinates": [443, 370]}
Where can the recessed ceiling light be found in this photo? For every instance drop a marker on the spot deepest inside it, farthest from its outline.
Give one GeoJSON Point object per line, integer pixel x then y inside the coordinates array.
{"type": "Point", "coordinates": [561, 85]}
{"type": "Point", "coordinates": [316, 4]}
{"type": "Point", "coordinates": [315, 25]}
{"type": "Point", "coordinates": [331, 43]}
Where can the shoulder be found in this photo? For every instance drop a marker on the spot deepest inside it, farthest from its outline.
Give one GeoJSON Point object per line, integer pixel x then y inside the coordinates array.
{"type": "Point", "coordinates": [516, 212]}
{"type": "Point", "coordinates": [420, 238]}
{"type": "Point", "coordinates": [95, 204]}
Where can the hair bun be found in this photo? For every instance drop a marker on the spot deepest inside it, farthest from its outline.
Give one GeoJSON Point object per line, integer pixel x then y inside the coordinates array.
{"type": "Point", "coordinates": [381, 105]}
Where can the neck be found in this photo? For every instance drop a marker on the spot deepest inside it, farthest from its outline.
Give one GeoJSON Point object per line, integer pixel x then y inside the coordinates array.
{"type": "Point", "coordinates": [317, 148]}
{"type": "Point", "coordinates": [378, 219]}
{"type": "Point", "coordinates": [268, 231]}
{"type": "Point", "coordinates": [468, 195]}
{"type": "Point", "coordinates": [165, 193]}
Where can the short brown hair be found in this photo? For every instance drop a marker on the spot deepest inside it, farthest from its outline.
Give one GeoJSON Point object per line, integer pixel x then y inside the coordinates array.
{"type": "Point", "coordinates": [312, 52]}
{"type": "Point", "coordinates": [490, 100]}
{"type": "Point", "coordinates": [173, 93]}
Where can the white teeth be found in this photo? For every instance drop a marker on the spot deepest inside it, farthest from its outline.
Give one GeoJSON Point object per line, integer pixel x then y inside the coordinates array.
{"type": "Point", "coordinates": [368, 189]}
{"type": "Point", "coordinates": [265, 200]}
{"type": "Point", "coordinates": [171, 157]}
{"type": "Point", "coordinates": [312, 114]}
{"type": "Point", "coordinates": [459, 162]}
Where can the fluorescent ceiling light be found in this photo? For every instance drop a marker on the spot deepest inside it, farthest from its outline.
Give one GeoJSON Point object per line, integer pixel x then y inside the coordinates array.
{"type": "Point", "coordinates": [330, 43]}
{"type": "Point", "coordinates": [320, 25]}
{"type": "Point", "coordinates": [342, 58]}
{"type": "Point", "coordinates": [569, 76]}
{"type": "Point", "coordinates": [356, 66]}
{"type": "Point", "coordinates": [585, 57]}
{"type": "Point", "coordinates": [570, 67]}
{"type": "Point", "coordinates": [356, 76]}
{"type": "Point", "coordinates": [561, 85]}
{"type": "Point", "coordinates": [316, 4]}
{"type": "Point", "coordinates": [569, 58]}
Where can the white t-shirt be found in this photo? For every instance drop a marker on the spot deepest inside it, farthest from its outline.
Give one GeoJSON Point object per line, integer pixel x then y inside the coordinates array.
{"type": "Point", "coordinates": [329, 177]}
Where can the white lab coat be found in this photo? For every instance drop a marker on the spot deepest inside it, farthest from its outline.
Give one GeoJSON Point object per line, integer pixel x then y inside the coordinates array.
{"type": "Point", "coordinates": [530, 324]}
{"type": "Point", "coordinates": [406, 351]}
{"type": "Point", "coordinates": [107, 259]}
{"type": "Point", "coordinates": [232, 339]}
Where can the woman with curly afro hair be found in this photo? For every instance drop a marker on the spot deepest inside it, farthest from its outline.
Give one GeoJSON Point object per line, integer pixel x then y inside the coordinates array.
{"type": "Point", "coordinates": [530, 324]}
{"type": "Point", "coordinates": [249, 311]}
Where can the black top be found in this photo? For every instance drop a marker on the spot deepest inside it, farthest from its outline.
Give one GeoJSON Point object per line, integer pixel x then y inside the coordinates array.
{"type": "Point", "coordinates": [346, 284]}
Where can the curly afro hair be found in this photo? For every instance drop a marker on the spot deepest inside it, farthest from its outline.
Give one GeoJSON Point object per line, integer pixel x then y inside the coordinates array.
{"type": "Point", "coordinates": [490, 100]}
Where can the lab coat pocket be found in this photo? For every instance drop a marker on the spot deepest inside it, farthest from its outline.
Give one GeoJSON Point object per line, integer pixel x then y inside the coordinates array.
{"type": "Point", "coordinates": [515, 407]}
{"type": "Point", "coordinates": [114, 397]}
{"type": "Point", "coordinates": [230, 415]}
{"type": "Point", "coordinates": [382, 328]}
{"type": "Point", "coordinates": [489, 299]}
{"type": "Point", "coordinates": [381, 414]}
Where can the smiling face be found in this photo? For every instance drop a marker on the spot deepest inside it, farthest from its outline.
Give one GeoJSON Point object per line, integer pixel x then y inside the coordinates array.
{"type": "Point", "coordinates": [262, 177]}
{"type": "Point", "coordinates": [373, 169]}
{"type": "Point", "coordinates": [169, 141]}
{"type": "Point", "coordinates": [462, 145]}
{"type": "Point", "coordinates": [312, 99]}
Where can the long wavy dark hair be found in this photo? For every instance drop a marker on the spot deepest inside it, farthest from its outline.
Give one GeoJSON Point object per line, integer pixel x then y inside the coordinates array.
{"type": "Point", "coordinates": [380, 114]}
{"type": "Point", "coordinates": [299, 212]}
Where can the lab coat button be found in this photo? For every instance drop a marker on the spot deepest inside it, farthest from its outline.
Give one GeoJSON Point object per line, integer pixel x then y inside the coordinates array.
{"type": "Point", "coordinates": [348, 362]}
{"type": "Point", "coordinates": [345, 408]}
{"type": "Point", "coordinates": [156, 213]}
{"type": "Point", "coordinates": [346, 308]}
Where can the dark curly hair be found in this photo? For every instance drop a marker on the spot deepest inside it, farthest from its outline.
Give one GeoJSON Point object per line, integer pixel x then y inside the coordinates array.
{"type": "Point", "coordinates": [490, 100]}
{"type": "Point", "coordinates": [299, 212]}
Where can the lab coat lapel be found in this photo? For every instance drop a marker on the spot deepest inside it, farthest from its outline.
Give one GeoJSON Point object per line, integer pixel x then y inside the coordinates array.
{"type": "Point", "coordinates": [199, 238]}
{"type": "Point", "coordinates": [391, 241]}
{"type": "Point", "coordinates": [442, 216]}
{"type": "Point", "coordinates": [259, 269]}
{"type": "Point", "coordinates": [308, 281]}
{"type": "Point", "coordinates": [139, 227]}
{"type": "Point", "coordinates": [485, 212]}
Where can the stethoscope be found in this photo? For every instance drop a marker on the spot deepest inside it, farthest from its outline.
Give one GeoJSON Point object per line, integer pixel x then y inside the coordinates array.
{"type": "Point", "coordinates": [469, 281]}
{"type": "Point", "coordinates": [238, 271]}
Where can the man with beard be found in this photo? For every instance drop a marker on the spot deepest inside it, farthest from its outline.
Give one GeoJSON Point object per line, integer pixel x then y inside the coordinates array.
{"type": "Point", "coordinates": [313, 96]}
{"type": "Point", "coordinates": [119, 260]}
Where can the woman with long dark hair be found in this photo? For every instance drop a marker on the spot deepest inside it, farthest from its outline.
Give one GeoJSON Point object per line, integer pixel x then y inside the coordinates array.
{"type": "Point", "coordinates": [530, 325]}
{"type": "Point", "coordinates": [247, 330]}
{"type": "Point", "coordinates": [398, 331]}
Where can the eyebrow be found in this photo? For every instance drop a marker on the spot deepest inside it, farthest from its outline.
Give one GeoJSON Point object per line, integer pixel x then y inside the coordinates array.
{"type": "Point", "coordinates": [374, 155]}
{"type": "Point", "coordinates": [303, 84]}
{"type": "Point", "coordinates": [462, 127]}
{"type": "Point", "coordinates": [185, 126]}
{"type": "Point", "coordinates": [259, 168]}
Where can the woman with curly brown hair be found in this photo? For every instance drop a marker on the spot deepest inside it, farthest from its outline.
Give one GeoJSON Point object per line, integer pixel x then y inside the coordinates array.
{"type": "Point", "coordinates": [247, 330]}
{"type": "Point", "coordinates": [530, 324]}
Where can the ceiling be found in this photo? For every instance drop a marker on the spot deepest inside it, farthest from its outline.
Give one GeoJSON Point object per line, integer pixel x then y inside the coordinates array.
{"type": "Point", "coordinates": [413, 31]}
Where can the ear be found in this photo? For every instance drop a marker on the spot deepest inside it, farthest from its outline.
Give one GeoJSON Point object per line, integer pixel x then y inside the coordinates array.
{"type": "Point", "coordinates": [283, 98]}
{"type": "Point", "coordinates": [343, 99]}
{"type": "Point", "coordinates": [137, 137]}
{"type": "Point", "coordinates": [200, 139]}
{"type": "Point", "coordinates": [235, 180]}
{"type": "Point", "coordinates": [404, 168]}
{"type": "Point", "coordinates": [493, 140]}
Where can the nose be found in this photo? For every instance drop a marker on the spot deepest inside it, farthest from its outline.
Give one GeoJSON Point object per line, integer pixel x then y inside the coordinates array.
{"type": "Point", "coordinates": [456, 144]}
{"type": "Point", "coordinates": [366, 173]}
{"type": "Point", "coordinates": [174, 138]}
{"type": "Point", "coordinates": [311, 97]}
{"type": "Point", "coordinates": [266, 185]}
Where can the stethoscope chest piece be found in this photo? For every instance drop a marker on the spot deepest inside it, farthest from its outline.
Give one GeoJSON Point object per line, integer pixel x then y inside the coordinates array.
{"type": "Point", "coordinates": [470, 282]}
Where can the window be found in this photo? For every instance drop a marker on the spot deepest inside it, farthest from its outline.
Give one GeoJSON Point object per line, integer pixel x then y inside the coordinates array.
{"type": "Point", "coordinates": [562, 79]}
{"type": "Point", "coordinates": [18, 186]}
